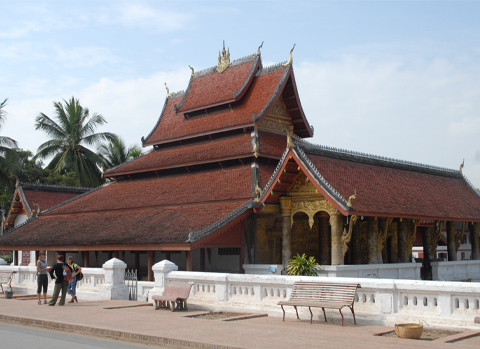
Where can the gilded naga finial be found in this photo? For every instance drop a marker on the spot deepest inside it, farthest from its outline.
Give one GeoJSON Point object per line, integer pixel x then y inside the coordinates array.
{"type": "Point", "coordinates": [223, 60]}
{"type": "Point", "coordinates": [352, 197]}
{"type": "Point", "coordinates": [259, 47]}
{"type": "Point", "coordinates": [258, 192]}
{"type": "Point", "coordinates": [290, 59]}
{"type": "Point", "coordinates": [193, 70]}
{"type": "Point", "coordinates": [461, 166]}
{"type": "Point", "coordinates": [168, 91]}
{"type": "Point", "coordinates": [290, 143]}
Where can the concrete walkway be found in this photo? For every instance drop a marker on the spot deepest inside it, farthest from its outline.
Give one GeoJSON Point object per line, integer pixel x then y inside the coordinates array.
{"type": "Point", "coordinates": [138, 321]}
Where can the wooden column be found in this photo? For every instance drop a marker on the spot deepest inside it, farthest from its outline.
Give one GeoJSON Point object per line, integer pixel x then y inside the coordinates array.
{"type": "Point", "coordinates": [474, 240]}
{"type": "Point", "coordinates": [151, 255]}
{"type": "Point", "coordinates": [109, 255]}
{"type": "Point", "coordinates": [336, 222]}
{"type": "Point", "coordinates": [372, 240]}
{"type": "Point", "coordinates": [202, 259]}
{"type": "Point", "coordinates": [403, 231]}
{"type": "Point", "coordinates": [86, 259]}
{"type": "Point", "coordinates": [451, 248]}
{"type": "Point", "coordinates": [189, 260]}
{"type": "Point", "coordinates": [241, 258]}
{"type": "Point", "coordinates": [116, 254]}
{"type": "Point", "coordinates": [286, 207]}
{"type": "Point", "coordinates": [168, 256]}
{"type": "Point", "coordinates": [394, 243]}
{"type": "Point", "coordinates": [428, 254]}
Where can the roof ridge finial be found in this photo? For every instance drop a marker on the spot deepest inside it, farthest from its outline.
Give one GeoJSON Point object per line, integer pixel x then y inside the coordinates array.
{"type": "Point", "coordinates": [168, 91]}
{"type": "Point", "coordinates": [461, 166]}
{"type": "Point", "coordinates": [259, 47]}
{"type": "Point", "coordinates": [290, 59]}
{"type": "Point", "coordinates": [223, 60]}
{"type": "Point", "coordinates": [193, 70]}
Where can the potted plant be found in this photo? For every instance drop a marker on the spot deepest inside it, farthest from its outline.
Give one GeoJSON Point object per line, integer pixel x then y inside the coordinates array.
{"type": "Point", "coordinates": [302, 265]}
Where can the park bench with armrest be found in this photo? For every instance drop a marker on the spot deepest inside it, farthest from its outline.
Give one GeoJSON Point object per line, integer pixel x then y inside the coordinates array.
{"type": "Point", "coordinates": [321, 295]}
{"type": "Point", "coordinates": [6, 278]}
{"type": "Point", "coordinates": [174, 296]}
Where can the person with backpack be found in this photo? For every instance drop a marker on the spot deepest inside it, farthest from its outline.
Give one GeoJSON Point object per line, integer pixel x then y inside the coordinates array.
{"type": "Point", "coordinates": [72, 285]}
{"type": "Point", "coordinates": [62, 273]}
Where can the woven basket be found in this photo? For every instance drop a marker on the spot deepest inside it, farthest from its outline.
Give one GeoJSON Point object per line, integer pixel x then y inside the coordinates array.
{"type": "Point", "coordinates": [412, 331]}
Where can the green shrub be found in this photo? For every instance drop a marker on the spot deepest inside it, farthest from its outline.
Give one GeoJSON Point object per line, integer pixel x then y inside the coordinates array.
{"type": "Point", "coordinates": [8, 258]}
{"type": "Point", "coordinates": [302, 265]}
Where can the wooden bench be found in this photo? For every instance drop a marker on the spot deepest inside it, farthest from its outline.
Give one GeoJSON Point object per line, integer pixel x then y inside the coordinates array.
{"type": "Point", "coordinates": [321, 295]}
{"type": "Point", "coordinates": [174, 296]}
{"type": "Point", "coordinates": [6, 278]}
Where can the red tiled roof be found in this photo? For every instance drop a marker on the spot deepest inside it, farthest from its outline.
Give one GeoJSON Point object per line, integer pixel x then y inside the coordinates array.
{"type": "Point", "coordinates": [396, 190]}
{"type": "Point", "coordinates": [215, 88]}
{"type": "Point", "coordinates": [46, 199]}
{"type": "Point", "coordinates": [235, 146]}
{"type": "Point", "coordinates": [153, 226]}
{"type": "Point", "coordinates": [210, 186]}
{"type": "Point", "coordinates": [173, 126]}
{"type": "Point", "coordinates": [154, 210]}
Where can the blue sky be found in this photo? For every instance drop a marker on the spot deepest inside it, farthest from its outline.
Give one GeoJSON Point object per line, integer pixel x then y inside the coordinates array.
{"type": "Point", "coordinates": [399, 79]}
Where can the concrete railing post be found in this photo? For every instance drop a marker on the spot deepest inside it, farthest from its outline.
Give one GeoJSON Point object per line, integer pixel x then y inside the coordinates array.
{"type": "Point", "coordinates": [114, 286]}
{"type": "Point", "coordinates": [160, 272]}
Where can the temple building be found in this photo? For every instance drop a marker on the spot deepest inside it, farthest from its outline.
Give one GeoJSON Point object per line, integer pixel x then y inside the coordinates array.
{"type": "Point", "coordinates": [29, 200]}
{"type": "Point", "coordinates": [231, 181]}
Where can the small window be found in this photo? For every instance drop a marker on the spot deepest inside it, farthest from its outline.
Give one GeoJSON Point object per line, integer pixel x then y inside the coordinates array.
{"type": "Point", "coordinates": [229, 251]}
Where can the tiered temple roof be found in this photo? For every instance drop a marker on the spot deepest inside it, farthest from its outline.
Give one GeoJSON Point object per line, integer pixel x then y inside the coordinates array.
{"type": "Point", "coordinates": [214, 146]}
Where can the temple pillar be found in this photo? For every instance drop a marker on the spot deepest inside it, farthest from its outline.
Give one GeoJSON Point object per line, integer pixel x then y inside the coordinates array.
{"type": "Point", "coordinates": [474, 240]}
{"type": "Point", "coordinates": [189, 260]}
{"type": "Point", "coordinates": [86, 259]}
{"type": "Point", "coordinates": [286, 208]}
{"type": "Point", "coordinates": [393, 232]}
{"type": "Point", "coordinates": [372, 240]}
{"type": "Point", "coordinates": [403, 231]}
{"type": "Point", "coordinates": [428, 255]}
{"type": "Point", "coordinates": [336, 222]}
{"type": "Point", "coordinates": [116, 254]}
{"type": "Point", "coordinates": [324, 240]}
{"type": "Point", "coordinates": [451, 248]}
{"type": "Point", "coordinates": [151, 255]}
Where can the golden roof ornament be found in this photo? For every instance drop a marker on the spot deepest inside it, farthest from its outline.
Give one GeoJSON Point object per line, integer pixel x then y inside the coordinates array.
{"type": "Point", "coordinates": [168, 91]}
{"type": "Point", "coordinates": [259, 47]}
{"type": "Point", "coordinates": [290, 143]}
{"type": "Point", "coordinates": [290, 59]}
{"type": "Point", "coordinates": [461, 166]}
{"type": "Point", "coordinates": [223, 60]}
{"type": "Point", "coordinates": [193, 71]}
{"type": "Point", "coordinates": [352, 197]}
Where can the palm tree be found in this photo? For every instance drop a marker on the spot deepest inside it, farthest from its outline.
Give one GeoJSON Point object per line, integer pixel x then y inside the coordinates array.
{"type": "Point", "coordinates": [7, 154]}
{"type": "Point", "coordinates": [74, 130]}
{"type": "Point", "coordinates": [116, 152]}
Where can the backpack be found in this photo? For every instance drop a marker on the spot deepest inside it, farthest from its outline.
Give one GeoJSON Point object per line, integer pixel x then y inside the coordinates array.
{"type": "Point", "coordinates": [67, 273]}
{"type": "Point", "coordinates": [79, 276]}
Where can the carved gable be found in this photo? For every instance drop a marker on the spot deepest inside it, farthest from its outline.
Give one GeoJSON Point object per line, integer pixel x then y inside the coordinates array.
{"type": "Point", "coordinates": [278, 120]}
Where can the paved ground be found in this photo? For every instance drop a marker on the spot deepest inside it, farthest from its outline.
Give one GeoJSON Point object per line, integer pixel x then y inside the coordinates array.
{"type": "Point", "coordinates": [140, 322]}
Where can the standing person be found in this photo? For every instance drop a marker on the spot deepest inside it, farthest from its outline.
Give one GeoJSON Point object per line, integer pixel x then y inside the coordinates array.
{"type": "Point", "coordinates": [72, 285]}
{"type": "Point", "coordinates": [58, 273]}
{"type": "Point", "coordinates": [42, 277]}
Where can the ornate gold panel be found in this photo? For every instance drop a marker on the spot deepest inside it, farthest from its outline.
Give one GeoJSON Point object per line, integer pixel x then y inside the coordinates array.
{"type": "Point", "coordinates": [278, 119]}
{"type": "Point", "coordinates": [310, 208]}
{"type": "Point", "coordinates": [303, 187]}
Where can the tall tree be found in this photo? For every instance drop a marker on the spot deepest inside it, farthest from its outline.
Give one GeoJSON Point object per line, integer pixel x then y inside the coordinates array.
{"type": "Point", "coordinates": [73, 130]}
{"type": "Point", "coordinates": [7, 153]}
{"type": "Point", "coordinates": [116, 152]}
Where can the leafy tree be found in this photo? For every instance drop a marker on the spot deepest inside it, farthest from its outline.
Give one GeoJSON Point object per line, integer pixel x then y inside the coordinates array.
{"type": "Point", "coordinates": [7, 153]}
{"type": "Point", "coordinates": [73, 130]}
{"type": "Point", "coordinates": [302, 265]}
{"type": "Point", "coordinates": [115, 152]}
{"type": "Point", "coordinates": [69, 179]}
